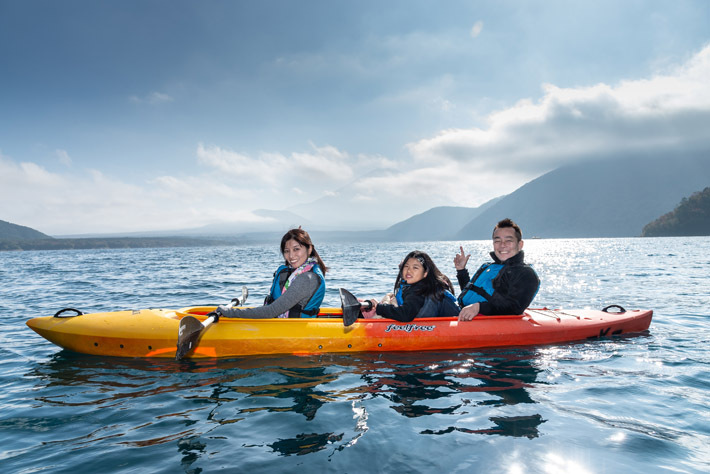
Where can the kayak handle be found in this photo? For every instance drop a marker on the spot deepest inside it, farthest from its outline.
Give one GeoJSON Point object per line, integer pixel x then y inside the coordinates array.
{"type": "Point", "coordinates": [58, 313]}
{"type": "Point", "coordinates": [621, 310]}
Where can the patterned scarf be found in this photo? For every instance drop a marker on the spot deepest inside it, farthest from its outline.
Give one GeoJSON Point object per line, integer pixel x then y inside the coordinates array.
{"type": "Point", "coordinates": [306, 267]}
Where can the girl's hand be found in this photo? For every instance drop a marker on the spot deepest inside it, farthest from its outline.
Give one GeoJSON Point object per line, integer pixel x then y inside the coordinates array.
{"type": "Point", "coordinates": [461, 259]}
{"type": "Point", "coordinates": [389, 298]}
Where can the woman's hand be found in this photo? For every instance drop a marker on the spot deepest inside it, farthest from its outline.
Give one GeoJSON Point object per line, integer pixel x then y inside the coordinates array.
{"type": "Point", "coordinates": [461, 259]}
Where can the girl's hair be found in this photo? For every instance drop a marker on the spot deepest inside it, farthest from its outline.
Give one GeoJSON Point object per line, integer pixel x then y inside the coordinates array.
{"type": "Point", "coordinates": [302, 237]}
{"type": "Point", "coordinates": [434, 283]}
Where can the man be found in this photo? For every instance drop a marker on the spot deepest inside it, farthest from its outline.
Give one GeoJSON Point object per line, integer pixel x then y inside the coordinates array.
{"type": "Point", "coordinates": [505, 286]}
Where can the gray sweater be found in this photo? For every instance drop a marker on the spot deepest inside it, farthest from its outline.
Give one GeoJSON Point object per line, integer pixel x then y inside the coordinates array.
{"type": "Point", "coordinates": [299, 291]}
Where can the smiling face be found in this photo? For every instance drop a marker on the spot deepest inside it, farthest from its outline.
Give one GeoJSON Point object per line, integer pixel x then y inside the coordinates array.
{"type": "Point", "coordinates": [295, 254]}
{"type": "Point", "coordinates": [413, 271]}
{"type": "Point", "coordinates": [506, 243]}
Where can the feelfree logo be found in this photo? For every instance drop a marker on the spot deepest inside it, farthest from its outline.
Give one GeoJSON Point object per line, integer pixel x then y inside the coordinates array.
{"type": "Point", "coordinates": [409, 328]}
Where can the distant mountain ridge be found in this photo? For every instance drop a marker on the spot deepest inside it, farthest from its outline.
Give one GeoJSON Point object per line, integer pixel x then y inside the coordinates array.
{"type": "Point", "coordinates": [595, 199]}
{"type": "Point", "coordinates": [591, 199]}
{"type": "Point", "coordinates": [438, 223]}
{"type": "Point", "coordinates": [351, 207]}
{"type": "Point", "coordinates": [273, 221]}
{"type": "Point", "coordinates": [10, 231]}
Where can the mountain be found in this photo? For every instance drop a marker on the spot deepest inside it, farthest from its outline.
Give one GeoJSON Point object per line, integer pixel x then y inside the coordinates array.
{"type": "Point", "coordinates": [272, 221]}
{"type": "Point", "coordinates": [438, 223]}
{"type": "Point", "coordinates": [690, 217]}
{"type": "Point", "coordinates": [595, 199]}
{"type": "Point", "coordinates": [352, 207]}
{"type": "Point", "coordinates": [9, 231]}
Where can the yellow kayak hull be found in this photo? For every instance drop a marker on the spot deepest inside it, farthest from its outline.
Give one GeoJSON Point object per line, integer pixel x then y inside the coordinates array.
{"type": "Point", "coordinates": [154, 332]}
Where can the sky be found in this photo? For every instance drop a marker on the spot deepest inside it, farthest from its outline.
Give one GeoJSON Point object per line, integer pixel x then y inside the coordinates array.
{"type": "Point", "coordinates": [128, 116]}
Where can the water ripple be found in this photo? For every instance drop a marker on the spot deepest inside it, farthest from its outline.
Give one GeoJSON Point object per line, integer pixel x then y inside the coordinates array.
{"type": "Point", "coordinates": [629, 404]}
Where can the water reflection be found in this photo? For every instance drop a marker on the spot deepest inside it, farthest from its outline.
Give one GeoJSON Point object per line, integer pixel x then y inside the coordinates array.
{"type": "Point", "coordinates": [299, 388]}
{"type": "Point", "coordinates": [305, 443]}
{"type": "Point", "coordinates": [516, 426]}
{"type": "Point", "coordinates": [193, 403]}
{"type": "Point", "coordinates": [191, 450]}
{"type": "Point", "coordinates": [504, 375]}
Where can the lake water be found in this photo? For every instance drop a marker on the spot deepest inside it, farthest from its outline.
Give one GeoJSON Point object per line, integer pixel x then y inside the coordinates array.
{"type": "Point", "coordinates": [631, 404]}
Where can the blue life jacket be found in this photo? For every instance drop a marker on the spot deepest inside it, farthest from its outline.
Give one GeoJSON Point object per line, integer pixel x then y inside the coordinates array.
{"type": "Point", "coordinates": [480, 287]}
{"type": "Point", "coordinates": [312, 307]}
{"type": "Point", "coordinates": [432, 307]}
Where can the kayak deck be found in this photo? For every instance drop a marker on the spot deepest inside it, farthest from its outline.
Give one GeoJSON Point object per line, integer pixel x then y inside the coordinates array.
{"type": "Point", "coordinates": [153, 332]}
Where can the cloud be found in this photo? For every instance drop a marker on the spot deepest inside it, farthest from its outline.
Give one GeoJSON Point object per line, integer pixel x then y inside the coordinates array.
{"type": "Point", "coordinates": [89, 201]}
{"type": "Point", "coordinates": [324, 166]}
{"type": "Point", "coordinates": [419, 188]}
{"type": "Point", "coordinates": [476, 29]}
{"type": "Point", "coordinates": [390, 189]}
{"type": "Point", "coordinates": [665, 114]}
{"type": "Point", "coordinates": [64, 157]}
{"type": "Point", "coordinates": [230, 187]}
{"type": "Point", "coordinates": [154, 98]}
{"type": "Point", "coordinates": [240, 168]}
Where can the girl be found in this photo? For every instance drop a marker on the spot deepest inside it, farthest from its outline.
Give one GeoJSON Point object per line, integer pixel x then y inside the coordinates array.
{"type": "Point", "coordinates": [298, 287]}
{"type": "Point", "coordinates": [421, 291]}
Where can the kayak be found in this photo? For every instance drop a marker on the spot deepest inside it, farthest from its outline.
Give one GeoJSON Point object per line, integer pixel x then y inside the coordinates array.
{"type": "Point", "coordinates": [154, 332]}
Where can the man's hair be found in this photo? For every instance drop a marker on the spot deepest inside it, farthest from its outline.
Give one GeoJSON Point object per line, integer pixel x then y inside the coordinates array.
{"type": "Point", "coordinates": [509, 223]}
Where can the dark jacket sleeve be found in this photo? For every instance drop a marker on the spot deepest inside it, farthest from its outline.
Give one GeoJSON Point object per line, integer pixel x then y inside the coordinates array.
{"type": "Point", "coordinates": [514, 291]}
{"type": "Point", "coordinates": [412, 302]}
{"type": "Point", "coordinates": [463, 278]}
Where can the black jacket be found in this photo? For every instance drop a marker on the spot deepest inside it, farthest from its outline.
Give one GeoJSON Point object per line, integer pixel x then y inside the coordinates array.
{"type": "Point", "coordinates": [515, 286]}
{"type": "Point", "coordinates": [407, 311]}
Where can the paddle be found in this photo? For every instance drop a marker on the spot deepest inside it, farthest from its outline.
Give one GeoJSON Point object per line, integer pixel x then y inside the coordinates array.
{"type": "Point", "coordinates": [351, 307]}
{"type": "Point", "coordinates": [191, 328]}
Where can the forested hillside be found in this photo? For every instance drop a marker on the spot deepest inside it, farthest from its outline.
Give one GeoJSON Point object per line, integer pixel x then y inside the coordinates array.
{"type": "Point", "coordinates": [690, 217]}
{"type": "Point", "coordinates": [10, 231]}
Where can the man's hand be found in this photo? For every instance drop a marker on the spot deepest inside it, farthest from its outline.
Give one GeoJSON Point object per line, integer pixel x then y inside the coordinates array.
{"type": "Point", "coordinates": [461, 259]}
{"type": "Point", "coordinates": [469, 312]}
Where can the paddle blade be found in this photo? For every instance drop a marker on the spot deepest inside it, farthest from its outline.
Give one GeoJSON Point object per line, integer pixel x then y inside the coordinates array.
{"type": "Point", "coordinates": [245, 295]}
{"type": "Point", "coordinates": [189, 333]}
{"type": "Point", "coordinates": [351, 307]}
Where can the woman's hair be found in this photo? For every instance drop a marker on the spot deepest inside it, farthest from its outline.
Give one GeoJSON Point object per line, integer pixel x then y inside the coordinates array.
{"type": "Point", "coordinates": [434, 283]}
{"type": "Point", "coordinates": [302, 237]}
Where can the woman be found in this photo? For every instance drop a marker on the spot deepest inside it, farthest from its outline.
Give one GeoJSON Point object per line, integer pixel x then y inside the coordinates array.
{"type": "Point", "coordinates": [299, 284]}
{"type": "Point", "coordinates": [421, 291]}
